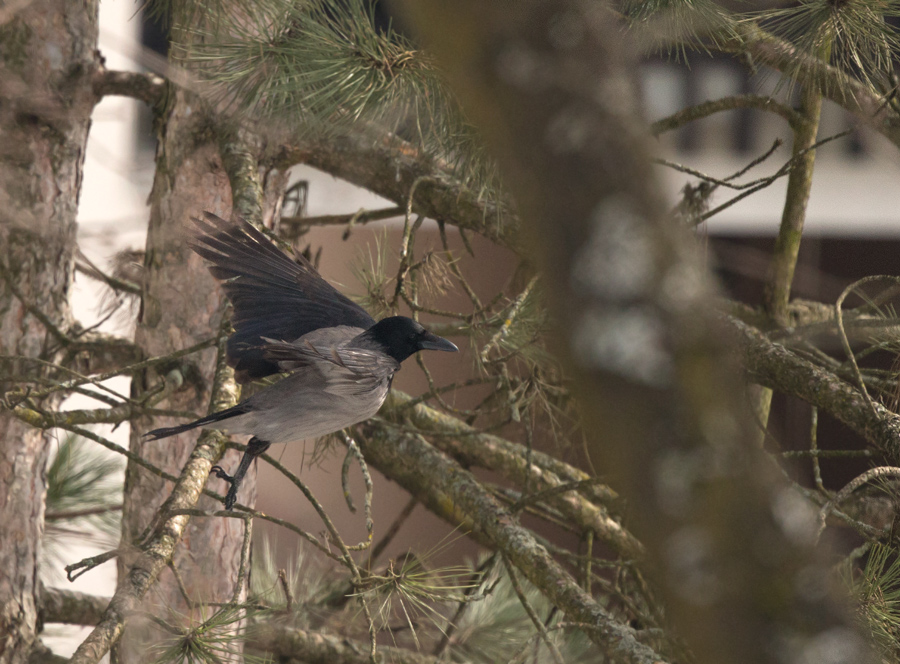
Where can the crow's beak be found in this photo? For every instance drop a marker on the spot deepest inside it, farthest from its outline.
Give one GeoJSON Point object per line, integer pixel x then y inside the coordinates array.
{"type": "Point", "coordinates": [431, 341]}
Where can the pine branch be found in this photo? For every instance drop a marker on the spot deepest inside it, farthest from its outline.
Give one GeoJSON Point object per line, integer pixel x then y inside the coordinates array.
{"type": "Point", "coordinates": [59, 605]}
{"type": "Point", "coordinates": [292, 227]}
{"type": "Point", "coordinates": [772, 365]}
{"type": "Point", "coordinates": [77, 514]}
{"type": "Point", "coordinates": [777, 292]}
{"type": "Point", "coordinates": [451, 492]}
{"type": "Point", "coordinates": [67, 419]}
{"type": "Point", "coordinates": [148, 88]}
{"type": "Point", "coordinates": [473, 448]}
{"type": "Point", "coordinates": [389, 166]}
{"type": "Point", "coordinates": [242, 167]}
{"type": "Point", "coordinates": [872, 109]}
{"type": "Point", "coordinates": [84, 265]}
{"type": "Point", "coordinates": [98, 352]}
{"type": "Point", "coordinates": [117, 371]}
{"type": "Point", "coordinates": [323, 68]}
{"type": "Point", "coordinates": [317, 647]}
{"type": "Point", "coordinates": [787, 245]}
{"type": "Point", "coordinates": [707, 108]}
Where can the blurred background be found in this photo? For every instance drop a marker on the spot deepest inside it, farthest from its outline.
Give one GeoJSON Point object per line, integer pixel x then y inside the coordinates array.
{"type": "Point", "coordinates": [852, 230]}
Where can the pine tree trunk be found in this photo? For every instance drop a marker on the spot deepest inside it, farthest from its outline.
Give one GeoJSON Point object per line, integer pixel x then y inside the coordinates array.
{"type": "Point", "coordinates": [182, 306]}
{"type": "Point", "coordinates": [47, 56]}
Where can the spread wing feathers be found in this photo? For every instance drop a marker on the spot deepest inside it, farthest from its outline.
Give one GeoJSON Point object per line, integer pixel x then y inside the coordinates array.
{"type": "Point", "coordinates": [346, 371]}
{"type": "Point", "coordinates": [272, 294]}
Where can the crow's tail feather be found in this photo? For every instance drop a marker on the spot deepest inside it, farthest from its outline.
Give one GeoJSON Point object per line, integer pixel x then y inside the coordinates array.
{"type": "Point", "coordinates": [165, 432]}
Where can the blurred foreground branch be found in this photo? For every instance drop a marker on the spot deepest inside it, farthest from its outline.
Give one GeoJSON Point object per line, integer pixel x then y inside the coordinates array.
{"type": "Point", "coordinates": [549, 87]}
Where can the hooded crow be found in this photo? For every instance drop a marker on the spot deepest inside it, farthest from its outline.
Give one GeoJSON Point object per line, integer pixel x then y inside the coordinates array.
{"type": "Point", "coordinates": [287, 319]}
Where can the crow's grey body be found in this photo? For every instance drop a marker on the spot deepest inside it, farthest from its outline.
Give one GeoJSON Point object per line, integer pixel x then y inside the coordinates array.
{"type": "Point", "coordinates": [333, 385]}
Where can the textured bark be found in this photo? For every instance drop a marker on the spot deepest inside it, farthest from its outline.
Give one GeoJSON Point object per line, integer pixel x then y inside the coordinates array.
{"type": "Point", "coordinates": [46, 58]}
{"type": "Point", "coordinates": [182, 305]}
{"type": "Point", "coordinates": [548, 85]}
{"type": "Point", "coordinates": [201, 165]}
{"type": "Point", "coordinates": [148, 88]}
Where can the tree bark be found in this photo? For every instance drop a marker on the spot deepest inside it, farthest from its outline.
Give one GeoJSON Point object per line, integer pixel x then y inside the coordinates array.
{"type": "Point", "coordinates": [47, 55]}
{"type": "Point", "coordinates": [182, 305]}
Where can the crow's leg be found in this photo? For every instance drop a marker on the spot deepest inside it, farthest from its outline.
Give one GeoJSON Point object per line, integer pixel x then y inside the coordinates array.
{"type": "Point", "coordinates": [254, 448]}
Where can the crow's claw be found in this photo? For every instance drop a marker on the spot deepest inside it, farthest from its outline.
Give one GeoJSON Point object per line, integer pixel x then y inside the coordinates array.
{"type": "Point", "coordinates": [219, 472]}
{"type": "Point", "coordinates": [234, 482]}
{"type": "Point", "coordinates": [231, 496]}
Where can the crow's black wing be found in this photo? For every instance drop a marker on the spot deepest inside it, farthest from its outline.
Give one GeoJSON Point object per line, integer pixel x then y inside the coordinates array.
{"type": "Point", "coordinates": [273, 295]}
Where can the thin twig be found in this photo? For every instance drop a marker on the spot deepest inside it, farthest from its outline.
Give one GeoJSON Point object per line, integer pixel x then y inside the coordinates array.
{"type": "Point", "coordinates": [784, 170]}
{"type": "Point", "coordinates": [405, 267]}
{"type": "Point", "coordinates": [454, 268]}
{"type": "Point", "coordinates": [842, 334]}
{"type": "Point", "coordinates": [391, 532]}
{"type": "Point", "coordinates": [153, 554]}
{"type": "Point", "coordinates": [80, 379]}
{"type": "Point", "coordinates": [354, 451]}
{"type": "Point", "coordinates": [727, 182]}
{"type": "Point", "coordinates": [87, 267]}
{"type": "Point", "coordinates": [48, 324]}
{"type": "Point", "coordinates": [872, 473]}
{"type": "Point", "coordinates": [245, 559]}
{"type": "Point", "coordinates": [323, 515]}
{"type": "Point", "coordinates": [77, 514]}
{"type": "Point", "coordinates": [286, 589]}
{"type": "Point", "coordinates": [345, 482]}
{"type": "Point", "coordinates": [240, 511]}
{"type": "Point", "coordinates": [827, 454]}
{"type": "Point", "coordinates": [514, 309]}
{"type": "Point", "coordinates": [588, 560]}
{"type": "Point", "coordinates": [98, 378]}
{"type": "Point", "coordinates": [813, 449]}
{"type": "Point", "coordinates": [480, 574]}
{"type": "Point", "coordinates": [542, 630]}
{"type": "Point", "coordinates": [182, 588]}
{"type": "Point", "coordinates": [699, 111]}
{"type": "Point", "coordinates": [436, 393]}
{"type": "Point", "coordinates": [75, 570]}
{"type": "Point", "coordinates": [362, 216]}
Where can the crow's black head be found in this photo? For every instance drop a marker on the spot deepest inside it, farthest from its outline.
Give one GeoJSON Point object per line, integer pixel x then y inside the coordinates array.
{"type": "Point", "coordinates": [400, 337]}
